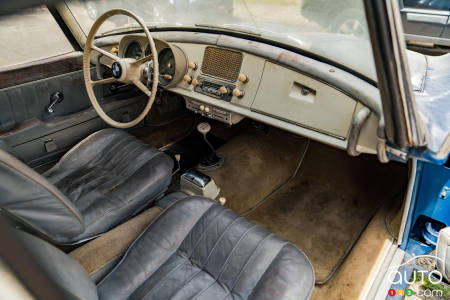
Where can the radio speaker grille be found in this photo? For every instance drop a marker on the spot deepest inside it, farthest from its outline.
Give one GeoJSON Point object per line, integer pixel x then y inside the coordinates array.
{"type": "Point", "coordinates": [222, 63]}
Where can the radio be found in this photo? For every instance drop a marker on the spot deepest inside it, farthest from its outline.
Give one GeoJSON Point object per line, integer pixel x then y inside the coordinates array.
{"type": "Point", "coordinates": [212, 112]}
{"type": "Point", "coordinates": [215, 89]}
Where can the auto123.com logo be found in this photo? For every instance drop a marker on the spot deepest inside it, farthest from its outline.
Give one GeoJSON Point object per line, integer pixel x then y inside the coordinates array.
{"type": "Point", "coordinates": [401, 276]}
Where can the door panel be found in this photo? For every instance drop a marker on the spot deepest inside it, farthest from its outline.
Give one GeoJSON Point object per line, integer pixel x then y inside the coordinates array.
{"type": "Point", "coordinates": [30, 100]}
{"type": "Point", "coordinates": [426, 18]}
{"type": "Point", "coordinates": [36, 136]}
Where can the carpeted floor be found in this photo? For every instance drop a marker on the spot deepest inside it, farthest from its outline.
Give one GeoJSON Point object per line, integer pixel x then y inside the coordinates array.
{"type": "Point", "coordinates": [159, 136]}
{"type": "Point", "coordinates": [324, 208]}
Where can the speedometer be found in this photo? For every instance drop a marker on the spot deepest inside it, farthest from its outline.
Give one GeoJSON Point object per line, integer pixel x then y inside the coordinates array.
{"type": "Point", "coordinates": [166, 61]}
{"type": "Point", "coordinates": [133, 50]}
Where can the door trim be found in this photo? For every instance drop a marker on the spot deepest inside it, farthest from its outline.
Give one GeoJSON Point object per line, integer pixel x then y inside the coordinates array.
{"type": "Point", "coordinates": [40, 69]}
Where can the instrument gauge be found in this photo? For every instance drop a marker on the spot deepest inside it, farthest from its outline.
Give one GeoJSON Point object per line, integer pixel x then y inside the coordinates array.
{"type": "Point", "coordinates": [166, 61]}
{"type": "Point", "coordinates": [133, 50]}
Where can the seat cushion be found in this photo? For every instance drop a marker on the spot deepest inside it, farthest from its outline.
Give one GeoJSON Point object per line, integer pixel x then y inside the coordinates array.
{"type": "Point", "coordinates": [197, 249]}
{"type": "Point", "coordinates": [110, 176]}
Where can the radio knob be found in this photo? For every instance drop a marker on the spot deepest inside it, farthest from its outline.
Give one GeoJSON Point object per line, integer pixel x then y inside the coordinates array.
{"type": "Point", "coordinates": [223, 90]}
{"type": "Point", "coordinates": [192, 65]}
{"type": "Point", "coordinates": [238, 93]}
{"type": "Point", "coordinates": [187, 78]}
{"type": "Point", "coordinates": [202, 107]}
{"type": "Point", "coordinates": [243, 78]}
{"type": "Point", "coordinates": [207, 109]}
{"type": "Point", "coordinates": [195, 82]}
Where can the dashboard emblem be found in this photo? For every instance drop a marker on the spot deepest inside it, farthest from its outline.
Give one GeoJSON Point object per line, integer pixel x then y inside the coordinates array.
{"type": "Point", "coordinates": [116, 70]}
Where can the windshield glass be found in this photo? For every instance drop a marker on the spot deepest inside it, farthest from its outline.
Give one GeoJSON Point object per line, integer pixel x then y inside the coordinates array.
{"type": "Point", "coordinates": [336, 30]}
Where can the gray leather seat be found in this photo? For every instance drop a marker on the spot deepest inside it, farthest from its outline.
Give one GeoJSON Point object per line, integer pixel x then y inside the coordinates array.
{"type": "Point", "coordinates": [196, 249]}
{"type": "Point", "coordinates": [102, 181]}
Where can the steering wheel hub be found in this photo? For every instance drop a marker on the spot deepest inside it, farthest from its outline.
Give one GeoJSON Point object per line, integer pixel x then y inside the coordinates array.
{"type": "Point", "coordinates": [116, 69]}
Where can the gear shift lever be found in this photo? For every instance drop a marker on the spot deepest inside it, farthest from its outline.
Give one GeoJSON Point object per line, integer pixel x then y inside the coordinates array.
{"type": "Point", "coordinates": [212, 160]}
{"type": "Point", "coordinates": [204, 128]}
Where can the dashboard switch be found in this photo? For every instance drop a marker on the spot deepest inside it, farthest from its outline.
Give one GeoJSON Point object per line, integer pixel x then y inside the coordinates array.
{"type": "Point", "coordinates": [192, 65]}
{"type": "Point", "coordinates": [238, 93]}
{"type": "Point", "coordinates": [195, 82]}
{"type": "Point", "coordinates": [202, 107]}
{"type": "Point", "coordinates": [223, 90]}
{"type": "Point", "coordinates": [207, 109]}
{"type": "Point", "coordinates": [243, 78]}
{"type": "Point", "coordinates": [187, 78]}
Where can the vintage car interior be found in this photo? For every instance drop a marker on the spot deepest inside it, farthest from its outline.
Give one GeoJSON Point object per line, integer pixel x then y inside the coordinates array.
{"type": "Point", "coordinates": [198, 164]}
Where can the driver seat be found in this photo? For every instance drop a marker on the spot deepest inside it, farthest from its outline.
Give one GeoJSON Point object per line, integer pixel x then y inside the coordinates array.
{"type": "Point", "coordinates": [101, 182]}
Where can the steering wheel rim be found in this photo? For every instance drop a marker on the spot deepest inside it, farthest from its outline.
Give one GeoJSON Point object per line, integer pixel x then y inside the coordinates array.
{"type": "Point", "coordinates": [130, 70]}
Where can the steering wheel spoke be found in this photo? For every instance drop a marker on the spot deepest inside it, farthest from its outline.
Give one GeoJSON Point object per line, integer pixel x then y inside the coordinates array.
{"type": "Point", "coordinates": [142, 60]}
{"type": "Point", "coordinates": [103, 81]}
{"type": "Point", "coordinates": [105, 53]}
{"type": "Point", "coordinates": [142, 87]}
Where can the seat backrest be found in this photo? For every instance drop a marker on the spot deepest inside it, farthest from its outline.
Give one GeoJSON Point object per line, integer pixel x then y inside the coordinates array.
{"type": "Point", "coordinates": [30, 199]}
{"type": "Point", "coordinates": [72, 281]}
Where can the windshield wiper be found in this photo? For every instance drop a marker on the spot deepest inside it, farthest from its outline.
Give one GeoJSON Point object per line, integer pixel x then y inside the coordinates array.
{"type": "Point", "coordinates": [230, 27]}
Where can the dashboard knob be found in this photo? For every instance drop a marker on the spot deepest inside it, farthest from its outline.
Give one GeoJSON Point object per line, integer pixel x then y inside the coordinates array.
{"type": "Point", "coordinates": [195, 82]}
{"type": "Point", "coordinates": [223, 90]}
{"type": "Point", "coordinates": [115, 50]}
{"type": "Point", "coordinates": [238, 93]}
{"type": "Point", "coordinates": [192, 65]}
{"type": "Point", "coordinates": [207, 109]}
{"type": "Point", "coordinates": [202, 107]}
{"type": "Point", "coordinates": [187, 78]}
{"type": "Point", "coordinates": [243, 78]}
{"type": "Point", "coordinates": [167, 76]}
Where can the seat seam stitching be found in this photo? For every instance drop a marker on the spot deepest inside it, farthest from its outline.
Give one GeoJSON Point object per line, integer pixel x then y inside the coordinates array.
{"type": "Point", "coordinates": [201, 266]}
{"type": "Point", "coordinates": [218, 240]}
{"type": "Point", "coordinates": [164, 279]}
{"type": "Point", "coordinates": [222, 269]}
{"type": "Point", "coordinates": [238, 278]}
{"type": "Point", "coordinates": [112, 209]}
{"type": "Point", "coordinates": [77, 216]}
{"type": "Point", "coordinates": [145, 230]}
{"type": "Point", "coordinates": [197, 243]}
{"type": "Point", "coordinates": [268, 267]}
{"type": "Point", "coordinates": [192, 252]}
{"type": "Point", "coordinates": [140, 235]}
{"type": "Point", "coordinates": [131, 175]}
{"type": "Point", "coordinates": [68, 154]}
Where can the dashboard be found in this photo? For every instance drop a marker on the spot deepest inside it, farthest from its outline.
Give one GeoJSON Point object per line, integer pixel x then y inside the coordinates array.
{"type": "Point", "coordinates": [229, 84]}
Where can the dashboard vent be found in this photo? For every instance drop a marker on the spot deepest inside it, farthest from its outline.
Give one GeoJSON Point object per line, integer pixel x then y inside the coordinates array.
{"type": "Point", "coordinates": [222, 63]}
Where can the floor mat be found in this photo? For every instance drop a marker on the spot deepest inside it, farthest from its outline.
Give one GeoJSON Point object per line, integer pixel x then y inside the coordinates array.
{"type": "Point", "coordinates": [256, 162]}
{"type": "Point", "coordinates": [324, 208]}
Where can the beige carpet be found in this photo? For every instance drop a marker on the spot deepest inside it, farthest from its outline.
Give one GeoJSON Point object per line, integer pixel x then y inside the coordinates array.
{"type": "Point", "coordinates": [324, 208]}
{"type": "Point", "coordinates": [99, 252]}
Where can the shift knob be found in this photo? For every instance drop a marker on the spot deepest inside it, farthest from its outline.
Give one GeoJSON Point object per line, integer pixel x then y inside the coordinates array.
{"type": "Point", "coordinates": [203, 128]}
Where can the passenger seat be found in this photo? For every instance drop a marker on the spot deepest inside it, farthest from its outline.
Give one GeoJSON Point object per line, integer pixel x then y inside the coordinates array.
{"type": "Point", "coordinates": [196, 249]}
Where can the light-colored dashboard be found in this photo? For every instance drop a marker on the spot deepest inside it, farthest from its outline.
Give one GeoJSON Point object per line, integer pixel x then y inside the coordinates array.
{"type": "Point", "coordinates": [229, 84]}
